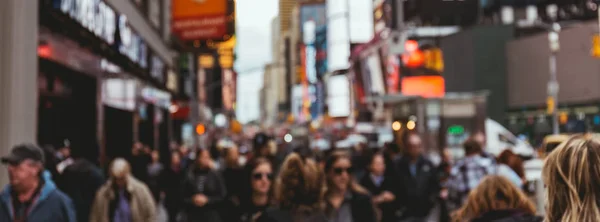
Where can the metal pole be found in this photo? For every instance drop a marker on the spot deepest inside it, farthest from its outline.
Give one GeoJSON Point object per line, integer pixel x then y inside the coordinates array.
{"type": "Point", "coordinates": [553, 93]}
{"type": "Point", "coordinates": [553, 40]}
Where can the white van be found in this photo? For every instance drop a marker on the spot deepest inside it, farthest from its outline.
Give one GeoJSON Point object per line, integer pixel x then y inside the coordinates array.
{"type": "Point", "coordinates": [499, 138]}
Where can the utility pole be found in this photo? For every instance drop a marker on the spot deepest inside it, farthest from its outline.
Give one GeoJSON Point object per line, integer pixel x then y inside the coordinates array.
{"type": "Point", "coordinates": [553, 87]}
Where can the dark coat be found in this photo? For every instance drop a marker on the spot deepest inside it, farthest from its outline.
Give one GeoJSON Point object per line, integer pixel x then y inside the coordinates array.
{"type": "Point", "coordinates": [388, 210]}
{"type": "Point", "coordinates": [417, 195]}
{"type": "Point", "coordinates": [170, 183]}
{"type": "Point", "coordinates": [361, 206]}
{"type": "Point", "coordinates": [507, 216]}
{"type": "Point", "coordinates": [285, 215]}
{"type": "Point", "coordinates": [80, 181]}
{"type": "Point", "coordinates": [210, 184]}
{"type": "Point", "coordinates": [51, 205]}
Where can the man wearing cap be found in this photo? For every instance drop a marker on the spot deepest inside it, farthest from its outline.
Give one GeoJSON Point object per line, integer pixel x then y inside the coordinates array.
{"type": "Point", "coordinates": [31, 194]}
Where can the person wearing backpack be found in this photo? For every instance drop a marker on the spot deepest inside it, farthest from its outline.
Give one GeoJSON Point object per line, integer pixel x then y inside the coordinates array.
{"type": "Point", "coordinates": [467, 173]}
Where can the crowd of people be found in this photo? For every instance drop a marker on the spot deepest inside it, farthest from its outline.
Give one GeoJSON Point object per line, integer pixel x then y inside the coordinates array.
{"type": "Point", "coordinates": [277, 183]}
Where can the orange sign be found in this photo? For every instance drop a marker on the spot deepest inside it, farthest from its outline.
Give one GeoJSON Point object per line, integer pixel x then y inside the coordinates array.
{"type": "Point", "coordinates": [199, 19]}
{"type": "Point", "coordinates": [195, 8]}
{"type": "Point", "coordinates": [425, 86]}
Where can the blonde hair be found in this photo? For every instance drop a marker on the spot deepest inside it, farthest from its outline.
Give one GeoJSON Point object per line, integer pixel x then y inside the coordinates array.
{"type": "Point", "coordinates": [300, 184]}
{"type": "Point", "coordinates": [572, 175]}
{"type": "Point", "coordinates": [493, 193]}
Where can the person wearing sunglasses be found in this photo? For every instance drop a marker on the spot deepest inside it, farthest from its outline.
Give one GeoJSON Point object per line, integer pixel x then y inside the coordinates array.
{"type": "Point", "coordinates": [345, 199]}
{"type": "Point", "coordinates": [258, 181]}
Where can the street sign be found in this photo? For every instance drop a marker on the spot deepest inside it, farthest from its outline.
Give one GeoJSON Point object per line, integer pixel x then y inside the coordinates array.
{"type": "Point", "coordinates": [596, 46]}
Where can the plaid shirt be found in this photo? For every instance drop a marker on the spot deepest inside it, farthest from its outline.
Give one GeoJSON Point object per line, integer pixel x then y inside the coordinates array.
{"type": "Point", "coordinates": [466, 175]}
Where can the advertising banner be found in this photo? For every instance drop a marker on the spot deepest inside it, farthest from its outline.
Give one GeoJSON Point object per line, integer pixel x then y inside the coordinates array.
{"type": "Point", "coordinates": [313, 12]}
{"type": "Point", "coordinates": [199, 20]}
{"type": "Point", "coordinates": [338, 96]}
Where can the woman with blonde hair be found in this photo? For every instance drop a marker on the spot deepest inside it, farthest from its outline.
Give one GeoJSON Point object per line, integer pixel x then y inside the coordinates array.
{"type": "Point", "coordinates": [496, 199]}
{"type": "Point", "coordinates": [571, 173]}
{"type": "Point", "coordinates": [298, 192]}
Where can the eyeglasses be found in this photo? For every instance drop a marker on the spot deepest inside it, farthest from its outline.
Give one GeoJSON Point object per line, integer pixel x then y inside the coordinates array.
{"type": "Point", "coordinates": [260, 176]}
{"type": "Point", "coordinates": [341, 170]}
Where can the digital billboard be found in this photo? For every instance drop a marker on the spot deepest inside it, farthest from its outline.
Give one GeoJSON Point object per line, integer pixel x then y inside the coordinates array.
{"type": "Point", "coordinates": [199, 20]}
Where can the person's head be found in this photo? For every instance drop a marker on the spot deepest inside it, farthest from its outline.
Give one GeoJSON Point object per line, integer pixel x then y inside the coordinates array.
{"type": "Point", "coordinates": [120, 170]}
{"type": "Point", "coordinates": [472, 147]}
{"type": "Point", "coordinates": [512, 160]}
{"type": "Point", "coordinates": [25, 165]}
{"type": "Point", "coordinates": [184, 150]}
{"type": "Point", "coordinates": [413, 145]}
{"type": "Point", "coordinates": [300, 184]}
{"type": "Point", "coordinates": [494, 193]}
{"type": "Point", "coordinates": [175, 159]}
{"type": "Point", "coordinates": [377, 164]}
{"type": "Point", "coordinates": [203, 159]}
{"type": "Point", "coordinates": [338, 168]}
{"type": "Point", "coordinates": [232, 156]}
{"type": "Point", "coordinates": [260, 173]}
{"type": "Point", "coordinates": [137, 148]}
{"type": "Point", "coordinates": [571, 173]}
{"type": "Point", "coordinates": [261, 145]}
{"type": "Point", "coordinates": [479, 137]}
{"type": "Point", "coordinates": [65, 151]}
{"type": "Point", "coordinates": [446, 156]}
{"type": "Point", "coordinates": [155, 156]}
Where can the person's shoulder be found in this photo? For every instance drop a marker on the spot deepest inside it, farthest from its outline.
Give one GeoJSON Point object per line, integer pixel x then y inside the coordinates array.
{"type": "Point", "coordinates": [58, 197]}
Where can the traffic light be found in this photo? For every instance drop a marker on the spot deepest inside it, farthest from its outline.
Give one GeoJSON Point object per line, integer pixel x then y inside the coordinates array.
{"type": "Point", "coordinates": [596, 46]}
{"type": "Point", "coordinates": [200, 129]}
{"type": "Point", "coordinates": [550, 105]}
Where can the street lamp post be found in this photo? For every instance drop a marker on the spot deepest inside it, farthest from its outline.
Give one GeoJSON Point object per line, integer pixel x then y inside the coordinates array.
{"type": "Point", "coordinates": [553, 39]}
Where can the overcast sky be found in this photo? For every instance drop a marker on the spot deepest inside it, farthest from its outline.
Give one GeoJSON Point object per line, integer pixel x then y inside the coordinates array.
{"type": "Point", "coordinates": [253, 52]}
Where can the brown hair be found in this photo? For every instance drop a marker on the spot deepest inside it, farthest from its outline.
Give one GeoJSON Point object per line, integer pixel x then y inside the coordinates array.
{"type": "Point", "coordinates": [300, 184]}
{"type": "Point", "coordinates": [493, 193]}
{"type": "Point", "coordinates": [512, 160]}
{"type": "Point", "coordinates": [572, 175]}
{"type": "Point", "coordinates": [353, 185]}
{"type": "Point", "coordinates": [246, 194]}
{"type": "Point", "coordinates": [471, 146]}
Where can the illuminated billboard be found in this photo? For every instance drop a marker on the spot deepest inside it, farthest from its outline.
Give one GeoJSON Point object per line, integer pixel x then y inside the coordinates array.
{"type": "Point", "coordinates": [425, 86]}
{"type": "Point", "coordinates": [200, 20]}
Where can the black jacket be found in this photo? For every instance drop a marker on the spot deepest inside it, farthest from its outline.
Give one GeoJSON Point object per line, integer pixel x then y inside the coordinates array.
{"type": "Point", "coordinates": [208, 183]}
{"type": "Point", "coordinates": [361, 206]}
{"type": "Point", "coordinates": [507, 216]}
{"type": "Point", "coordinates": [417, 195]}
{"type": "Point", "coordinates": [285, 215]}
{"type": "Point", "coordinates": [80, 181]}
{"type": "Point", "coordinates": [388, 210]}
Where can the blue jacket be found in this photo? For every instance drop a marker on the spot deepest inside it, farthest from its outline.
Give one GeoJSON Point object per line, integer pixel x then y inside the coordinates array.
{"type": "Point", "coordinates": [51, 206]}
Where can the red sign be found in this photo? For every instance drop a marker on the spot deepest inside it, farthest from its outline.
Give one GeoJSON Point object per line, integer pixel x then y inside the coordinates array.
{"type": "Point", "coordinates": [425, 86]}
{"type": "Point", "coordinates": [201, 27]}
{"type": "Point", "coordinates": [199, 20]}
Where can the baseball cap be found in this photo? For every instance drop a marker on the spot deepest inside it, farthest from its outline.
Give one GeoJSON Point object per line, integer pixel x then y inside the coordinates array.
{"type": "Point", "coordinates": [22, 152]}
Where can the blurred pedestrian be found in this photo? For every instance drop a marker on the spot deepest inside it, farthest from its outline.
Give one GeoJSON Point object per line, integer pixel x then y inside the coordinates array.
{"type": "Point", "coordinates": [345, 199]}
{"type": "Point", "coordinates": [155, 170]}
{"type": "Point", "coordinates": [256, 194]}
{"type": "Point", "coordinates": [123, 197]}
{"type": "Point", "coordinates": [513, 165]}
{"type": "Point", "coordinates": [571, 175]}
{"type": "Point", "coordinates": [31, 194]}
{"type": "Point", "coordinates": [467, 173]}
{"type": "Point", "coordinates": [171, 181]}
{"type": "Point", "coordinates": [382, 187]}
{"type": "Point", "coordinates": [496, 199]}
{"type": "Point", "coordinates": [80, 181]}
{"type": "Point", "coordinates": [204, 191]}
{"type": "Point", "coordinates": [420, 185]}
{"type": "Point", "coordinates": [140, 158]}
{"type": "Point", "coordinates": [298, 192]}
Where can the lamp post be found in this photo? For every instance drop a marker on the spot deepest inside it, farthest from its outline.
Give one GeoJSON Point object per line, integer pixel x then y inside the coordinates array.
{"type": "Point", "coordinates": [553, 87]}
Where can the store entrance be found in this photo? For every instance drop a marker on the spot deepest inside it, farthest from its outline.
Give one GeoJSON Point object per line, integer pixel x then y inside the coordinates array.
{"type": "Point", "coordinates": [118, 132]}
{"type": "Point", "coordinates": [67, 108]}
